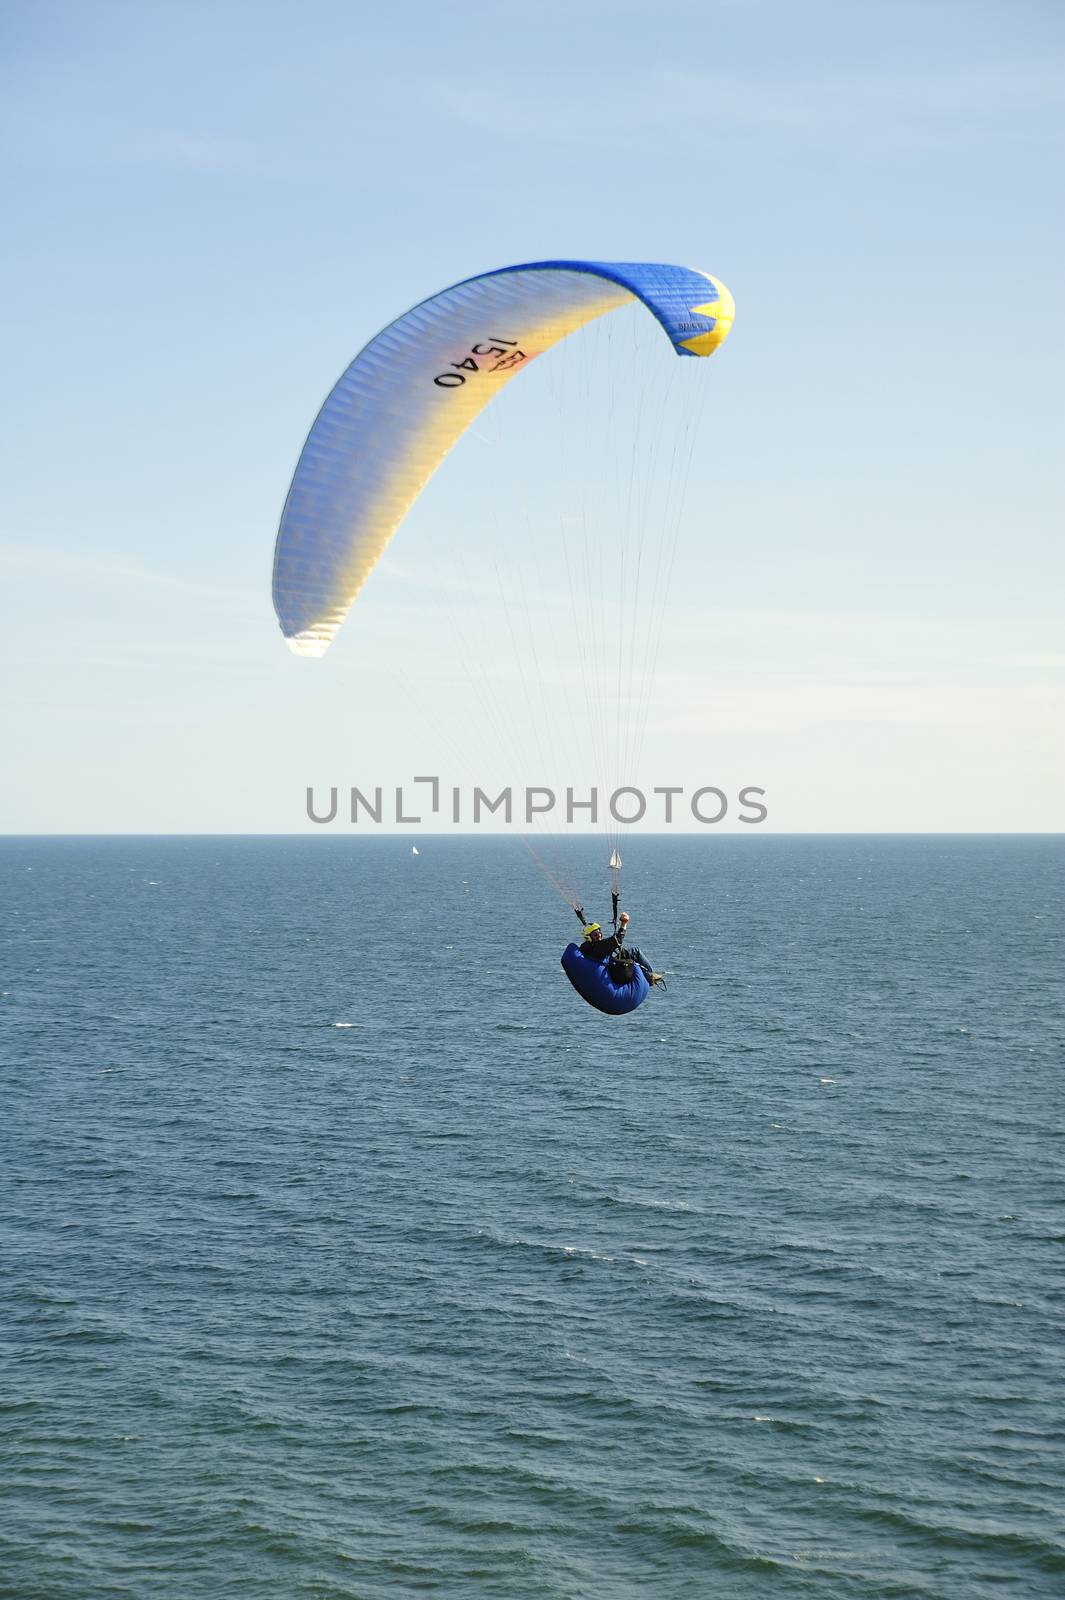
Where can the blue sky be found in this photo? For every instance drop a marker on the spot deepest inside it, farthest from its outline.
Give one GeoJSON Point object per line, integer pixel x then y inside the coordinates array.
{"type": "Point", "coordinates": [209, 209]}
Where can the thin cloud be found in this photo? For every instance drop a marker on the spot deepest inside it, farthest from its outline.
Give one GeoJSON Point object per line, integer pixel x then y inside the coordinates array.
{"type": "Point", "coordinates": [108, 568]}
{"type": "Point", "coordinates": [887, 108]}
{"type": "Point", "coordinates": [105, 142]}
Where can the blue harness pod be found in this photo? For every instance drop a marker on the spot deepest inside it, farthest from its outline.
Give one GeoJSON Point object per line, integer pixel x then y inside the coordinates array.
{"type": "Point", "coordinates": [593, 983]}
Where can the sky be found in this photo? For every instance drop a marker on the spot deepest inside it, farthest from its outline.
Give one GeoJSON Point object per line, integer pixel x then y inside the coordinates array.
{"type": "Point", "coordinates": [209, 209]}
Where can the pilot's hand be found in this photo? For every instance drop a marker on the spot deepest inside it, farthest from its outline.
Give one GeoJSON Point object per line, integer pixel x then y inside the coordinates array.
{"type": "Point", "coordinates": [624, 919]}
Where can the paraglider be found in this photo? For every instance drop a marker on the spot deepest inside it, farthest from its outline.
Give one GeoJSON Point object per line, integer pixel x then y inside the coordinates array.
{"type": "Point", "coordinates": [610, 975]}
{"type": "Point", "coordinates": [605, 989]}
{"type": "Point", "coordinates": [399, 408]}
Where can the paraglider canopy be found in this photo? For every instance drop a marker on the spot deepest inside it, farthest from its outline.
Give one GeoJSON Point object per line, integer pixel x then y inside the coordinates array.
{"type": "Point", "coordinates": [415, 388]}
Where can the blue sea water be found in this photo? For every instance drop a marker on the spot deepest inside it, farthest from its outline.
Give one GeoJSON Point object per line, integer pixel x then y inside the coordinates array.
{"type": "Point", "coordinates": [345, 1253]}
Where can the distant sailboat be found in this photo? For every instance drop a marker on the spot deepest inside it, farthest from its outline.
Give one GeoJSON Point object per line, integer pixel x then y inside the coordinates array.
{"type": "Point", "coordinates": [414, 850]}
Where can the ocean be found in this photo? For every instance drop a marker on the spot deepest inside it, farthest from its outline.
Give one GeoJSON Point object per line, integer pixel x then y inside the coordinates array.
{"type": "Point", "coordinates": [346, 1253]}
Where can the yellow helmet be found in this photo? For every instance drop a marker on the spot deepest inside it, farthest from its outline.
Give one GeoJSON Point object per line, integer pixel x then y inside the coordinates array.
{"type": "Point", "coordinates": [592, 930]}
